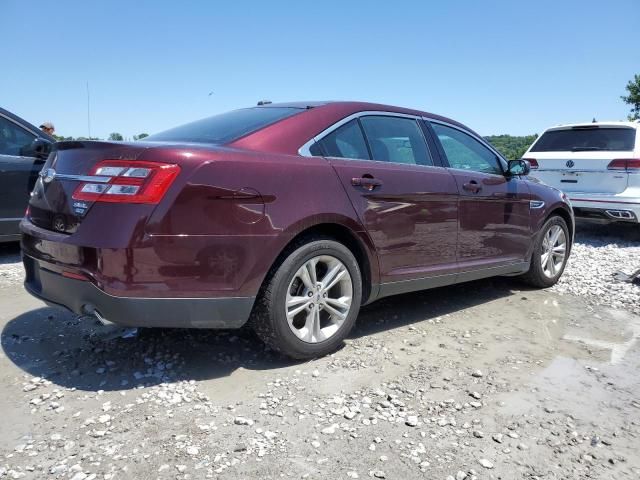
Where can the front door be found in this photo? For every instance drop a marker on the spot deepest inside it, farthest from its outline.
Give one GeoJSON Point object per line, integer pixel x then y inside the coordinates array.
{"type": "Point", "coordinates": [407, 204]}
{"type": "Point", "coordinates": [16, 175]}
{"type": "Point", "coordinates": [494, 227]}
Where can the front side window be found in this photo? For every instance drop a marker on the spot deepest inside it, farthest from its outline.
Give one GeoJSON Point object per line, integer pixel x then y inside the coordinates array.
{"type": "Point", "coordinates": [346, 141]}
{"type": "Point", "coordinates": [13, 139]}
{"type": "Point", "coordinates": [396, 139]}
{"type": "Point", "coordinates": [465, 152]}
{"type": "Point", "coordinates": [582, 139]}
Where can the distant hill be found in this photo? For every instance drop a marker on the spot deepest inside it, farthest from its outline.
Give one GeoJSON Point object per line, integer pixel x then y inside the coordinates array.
{"type": "Point", "coordinates": [511, 147]}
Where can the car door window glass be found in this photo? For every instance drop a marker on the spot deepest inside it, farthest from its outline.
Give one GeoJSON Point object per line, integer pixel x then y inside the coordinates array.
{"type": "Point", "coordinates": [13, 139]}
{"type": "Point", "coordinates": [396, 139]}
{"type": "Point", "coordinates": [347, 141]}
{"type": "Point", "coordinates": [465, 152]}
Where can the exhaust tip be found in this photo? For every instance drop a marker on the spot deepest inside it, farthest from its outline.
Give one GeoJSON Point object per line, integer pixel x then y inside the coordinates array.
{"type": "Point", "coordinates": [621, 214]}
{"type": "Point", "coordinates": [91, 310]}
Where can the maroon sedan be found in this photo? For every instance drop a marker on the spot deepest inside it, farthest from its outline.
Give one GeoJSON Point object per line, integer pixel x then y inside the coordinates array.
{"type": "Point", "coordinates": [290, 216]}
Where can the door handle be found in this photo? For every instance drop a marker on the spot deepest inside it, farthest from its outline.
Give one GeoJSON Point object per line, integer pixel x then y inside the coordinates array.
{"type": "Point", "coordinates": [472, 186]}
{"type": "Point", "coordinates": [368, 183]}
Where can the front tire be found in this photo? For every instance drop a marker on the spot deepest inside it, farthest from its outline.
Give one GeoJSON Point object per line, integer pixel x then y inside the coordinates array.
{"type": "Point", "coordinates": [550, 254]}
{"type": "Point", "coordinates": [311, 301]}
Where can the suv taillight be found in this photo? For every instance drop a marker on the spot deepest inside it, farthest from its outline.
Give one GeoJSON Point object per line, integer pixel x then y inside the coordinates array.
{"type": "Point", "coordinates": [624, 164]}
{"type": "Point", "coordinates": [122, 181]}
{"type": "Point", "coordinates": [532, 161]}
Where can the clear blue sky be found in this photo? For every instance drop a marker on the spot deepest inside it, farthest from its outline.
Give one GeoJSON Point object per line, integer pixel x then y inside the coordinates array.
{"type": "Point", "coordinates": [498, 66]}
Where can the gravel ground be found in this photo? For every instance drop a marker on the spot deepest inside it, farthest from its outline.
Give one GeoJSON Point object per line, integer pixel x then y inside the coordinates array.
{"type": "Point", "coordinates": [468, 382]}
{"type": "Point", "coordinates": [599, 252]}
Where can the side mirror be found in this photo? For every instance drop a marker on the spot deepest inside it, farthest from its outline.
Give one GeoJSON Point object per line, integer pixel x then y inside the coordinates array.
{"type": "Point", "coordinates": [518, 167]}
{"type": "Point", "coordinates": [39, 148]}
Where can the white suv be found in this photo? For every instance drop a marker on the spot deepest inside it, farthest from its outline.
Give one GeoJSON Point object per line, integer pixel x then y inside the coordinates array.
{"type": "Point", "coordinates": [596, 164]}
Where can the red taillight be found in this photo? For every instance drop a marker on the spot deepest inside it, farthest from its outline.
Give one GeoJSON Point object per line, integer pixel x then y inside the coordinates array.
{"type": "Point", "coordinates": [624, 164]}
{"type": "Point", "coordinates": [122, 181]}
{"type": "Point", "coordinates": [532, 161]}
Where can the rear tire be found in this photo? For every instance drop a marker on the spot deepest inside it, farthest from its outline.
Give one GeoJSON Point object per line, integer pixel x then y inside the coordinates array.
{"type": "Point", "coordinates": [550, 254]}
{"type": "Point", "coordinates": [295, 313]}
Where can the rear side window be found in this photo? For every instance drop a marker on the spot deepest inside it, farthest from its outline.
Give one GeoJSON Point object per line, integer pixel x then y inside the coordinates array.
{"type": "Point", "coordinates": [226, 127]}
{"type": "Point", "coordinates": [586, 139]}
{"type": "Point", "coordinates": [346, 141]}
{"type": "Point", "coordinates": [465, 152]}
{"type": "Point", "coordinates": [396, 139]}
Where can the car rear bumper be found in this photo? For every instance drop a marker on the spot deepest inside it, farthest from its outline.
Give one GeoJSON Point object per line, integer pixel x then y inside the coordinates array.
{"type": "Point", "coordinates": [83, 297]}
{"type": "Point", "coordinates": [606, 207]}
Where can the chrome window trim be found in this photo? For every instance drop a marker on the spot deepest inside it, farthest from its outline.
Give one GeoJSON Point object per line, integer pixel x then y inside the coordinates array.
{"type": "Point", "coordinates": [305, 151]}
{"type": "Point", "coordinates": [503, 161]}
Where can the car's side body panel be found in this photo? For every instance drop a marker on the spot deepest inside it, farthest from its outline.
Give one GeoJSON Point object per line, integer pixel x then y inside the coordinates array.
{"type": "Point", "coordinates": [411, 218]}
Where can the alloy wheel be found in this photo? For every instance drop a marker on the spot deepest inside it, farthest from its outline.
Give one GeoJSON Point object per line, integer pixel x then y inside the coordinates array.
{"type": "Point", "coordinates": [554, 251]}
{"type": "Point", "coordinates": [319, 299]}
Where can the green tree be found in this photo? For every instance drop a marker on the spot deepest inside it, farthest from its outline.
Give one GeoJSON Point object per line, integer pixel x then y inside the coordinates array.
{"type": "Point", "coordinates": [633, 99]}
{"type": "Point", "coordinates": [511, 147]}
{"type": "Point", "coordinates": [141, 136]}
{"type": "Point", "coordinates": [116, 137]}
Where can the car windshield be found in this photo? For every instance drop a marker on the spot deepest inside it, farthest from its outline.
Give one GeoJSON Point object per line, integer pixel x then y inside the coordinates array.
{"type": "Point", "coordinates": [226, 127]}
{"type": "Point", "coordinates": [586, 139]}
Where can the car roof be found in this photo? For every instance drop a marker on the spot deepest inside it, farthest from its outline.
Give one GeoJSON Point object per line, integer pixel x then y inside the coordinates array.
{"type": "Point", "coordinates": [26, 124]}
{"type": "Point", "coordinates": [289, 134]}
{"type": "Point", "coordinates": [358, 106]}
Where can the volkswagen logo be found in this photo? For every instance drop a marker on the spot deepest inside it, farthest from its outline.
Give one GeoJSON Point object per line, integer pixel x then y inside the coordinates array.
{"type": "Point", "coordinates": [570, 163]}
{"type": "Point", "coordinates": [48, 175]}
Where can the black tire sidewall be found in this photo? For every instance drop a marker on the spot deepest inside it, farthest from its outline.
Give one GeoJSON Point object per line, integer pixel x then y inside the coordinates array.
{"type": "Point", "coordinates": [290, 343]}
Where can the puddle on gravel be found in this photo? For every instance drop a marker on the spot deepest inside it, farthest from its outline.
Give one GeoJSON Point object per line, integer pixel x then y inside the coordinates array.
{"type": "Point", "coordinates": [618, 340]}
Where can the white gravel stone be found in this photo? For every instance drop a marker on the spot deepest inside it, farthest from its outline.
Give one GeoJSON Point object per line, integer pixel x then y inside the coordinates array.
{"type": "Point", "coordinates": [485, 463]}
{"type": "Point", "coordinates": [243, 421]}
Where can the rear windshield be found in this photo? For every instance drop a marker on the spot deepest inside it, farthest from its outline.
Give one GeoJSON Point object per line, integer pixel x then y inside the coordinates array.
{"type": "Point", "coordinates": [226, 127]}
{"type": "Point", "coordinates": [586, 139]}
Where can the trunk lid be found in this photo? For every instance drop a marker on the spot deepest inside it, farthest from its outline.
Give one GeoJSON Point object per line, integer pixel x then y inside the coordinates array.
{"type": "Point", "coordinates": [580, 171]}
{"type": "Point", "coordinates": [51, 205]}
{"type": "Point", "coordinates": [576, 158]}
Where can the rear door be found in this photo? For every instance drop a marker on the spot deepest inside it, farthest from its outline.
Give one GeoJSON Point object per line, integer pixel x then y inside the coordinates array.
{"type": "Point", "coordinates": [406, 202]}
{"type": "Point", "coordinates": [494, 226]}
{"type": "Point", "coordinates": [17, 174]}
{"type": "Point", "coordinates": [579, 159]}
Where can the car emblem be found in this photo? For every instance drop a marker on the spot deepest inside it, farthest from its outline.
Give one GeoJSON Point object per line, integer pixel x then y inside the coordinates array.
{"type": "Point", "coordinates": [48, 175]}
{"type": "Point", "coordinates": [570, 163]}
{"type": "Point", "coordinates": [58, 224]}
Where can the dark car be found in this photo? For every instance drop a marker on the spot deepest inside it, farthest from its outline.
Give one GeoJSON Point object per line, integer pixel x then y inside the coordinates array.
{"type": "Point", "coordinates": [23, 151]}
{"type": "Point", "coordinates": [290, 216]}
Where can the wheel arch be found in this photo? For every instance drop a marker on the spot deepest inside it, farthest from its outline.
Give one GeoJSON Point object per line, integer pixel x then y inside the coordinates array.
{"type": "Point", "coordinates": [358, 242]}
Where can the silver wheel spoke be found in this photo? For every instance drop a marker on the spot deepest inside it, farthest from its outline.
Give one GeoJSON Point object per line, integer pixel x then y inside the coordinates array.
{"type": "Point", "coordinates": [303, 274]}
{"type": "Point", "coordinates": [337, 273]}
{"type": "Point", "coordinates": [554, 249]}
{"type": "Point", "coordinates": [291, 301]}
{"type": "Point", "coordinates": [319, 299]}
{"type": "Point", "coordinates": [339, 315]}
{"type": "Point", "coordinates": [311, 270]}
{"type": "Point", "coordinates": [295, 311]}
